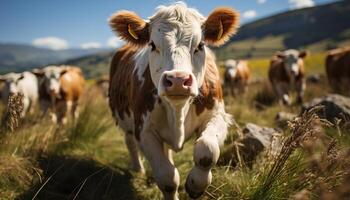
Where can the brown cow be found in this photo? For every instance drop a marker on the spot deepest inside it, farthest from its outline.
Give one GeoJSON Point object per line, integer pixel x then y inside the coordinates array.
{"type": "Point", "coordinates": [338, 69]}
{"type": "Point", "coordinates": [286, 72]}
{"type": "Point", "coordinates": [165, 89]}
{"type": "Point", "coordinates": [60, 88]}
{"type": "Point", "coordinates": [237, 75]}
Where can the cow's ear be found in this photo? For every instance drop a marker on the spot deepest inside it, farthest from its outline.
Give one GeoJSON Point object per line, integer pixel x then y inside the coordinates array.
{"type": "Point", "coordinates": [63, 71]}
{"type": "Point", "coordinates": [280, 54]}
{"type": "Point", "coordinates": [38, 72]}
{"type": "Point", "coordinates": [302, 54]}
{"type": "Point", "coordinates": [130, 27]}
{"type": "Point", "coordinates": [220, 25]}
{"type": "Point", "coordinates": [21, 77]}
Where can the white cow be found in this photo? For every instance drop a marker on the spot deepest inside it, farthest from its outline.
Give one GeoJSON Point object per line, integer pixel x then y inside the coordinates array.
{"type": "Point", "coordinates": [24, 83]}
{"type": "Point", "coordinates": [165, 89]}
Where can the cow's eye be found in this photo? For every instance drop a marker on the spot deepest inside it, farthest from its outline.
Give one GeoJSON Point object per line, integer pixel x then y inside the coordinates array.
{"type": "Point", "coordinates": [200, 47]}
{"type": "Point", "coordinates": [153, 46]}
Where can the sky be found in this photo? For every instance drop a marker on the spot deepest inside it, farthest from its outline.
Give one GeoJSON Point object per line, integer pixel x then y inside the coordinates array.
{"type": "Point", "coordinates": [62, 24]}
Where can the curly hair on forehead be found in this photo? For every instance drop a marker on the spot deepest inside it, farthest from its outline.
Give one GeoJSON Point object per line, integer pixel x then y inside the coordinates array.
{"type": "Point", "coordinates": [177, 13]}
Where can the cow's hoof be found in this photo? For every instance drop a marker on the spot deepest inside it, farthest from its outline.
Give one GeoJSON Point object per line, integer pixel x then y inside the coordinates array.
{"type": "Point", "coordinates": [191, 193]}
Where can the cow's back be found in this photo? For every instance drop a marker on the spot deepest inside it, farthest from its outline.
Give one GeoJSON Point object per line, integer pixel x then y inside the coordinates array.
{"type": "Point", "coordinates": [28, 86]}
{"type": "Point", "coordinates": [72, 84]}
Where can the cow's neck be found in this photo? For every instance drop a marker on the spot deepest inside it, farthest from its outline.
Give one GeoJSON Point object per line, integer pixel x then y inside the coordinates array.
{"type": "Point", "coordinates": [176, 114]}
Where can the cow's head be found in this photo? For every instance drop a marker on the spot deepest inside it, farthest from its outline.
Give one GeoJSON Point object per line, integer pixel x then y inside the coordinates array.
{"type": "Point", "coordinates": [11, 83]}
{"type": "Point", "coordinates": [231, 67]}
{"type": "Point", "coordinates": [292, 60]}
{"type": "Point", "coordinates": [50, 77]}
{"type": "Point", "coordinates": [174, 41]}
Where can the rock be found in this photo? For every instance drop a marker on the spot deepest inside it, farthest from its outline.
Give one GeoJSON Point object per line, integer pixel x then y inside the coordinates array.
{"type": "Point", "coordinates": [254, 141]}
{"type": "Point", "coordinates": [282, 118]}
{"type": "Point", "coordinates": [313, 78]}
{"type": "Point", "coordinates": [335, 106]}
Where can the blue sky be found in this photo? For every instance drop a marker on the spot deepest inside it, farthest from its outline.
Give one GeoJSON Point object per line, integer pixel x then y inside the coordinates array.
{"type": "Point", "coordinates": [60, 24]}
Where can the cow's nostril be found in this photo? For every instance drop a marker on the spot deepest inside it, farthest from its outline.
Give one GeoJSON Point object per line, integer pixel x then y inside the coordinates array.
{"type": "Point", "coordinates": [167, 82]}
{"type": "Point", "coordinates": [188, 81]}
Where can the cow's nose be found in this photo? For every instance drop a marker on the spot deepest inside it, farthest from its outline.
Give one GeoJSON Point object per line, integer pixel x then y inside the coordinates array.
{"type": "Point", "coordinates": [177, 84]}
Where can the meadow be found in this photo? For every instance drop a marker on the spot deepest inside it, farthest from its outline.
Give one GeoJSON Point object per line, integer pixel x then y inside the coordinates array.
{"type": "Point", "coordinates": [88, 159]}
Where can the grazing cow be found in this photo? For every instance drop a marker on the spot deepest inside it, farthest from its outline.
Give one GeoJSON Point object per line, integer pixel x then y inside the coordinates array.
{"type": "Point", "coordinates": [60, 89]}
{"type": "Point", "coordinates": [165, 88]}
{"type": "Point", "coordinates": [236, 77]}
{"type": "Point", "coordinates": [286, 72]}
{"type": "Point", "coordinates": [24, 83]}
{"type": "Point", "coordinates": [338, 69]}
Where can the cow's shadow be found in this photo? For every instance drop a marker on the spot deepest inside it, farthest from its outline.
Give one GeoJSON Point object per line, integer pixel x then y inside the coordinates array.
{"type": "Point", "coordinates": [70, 178]}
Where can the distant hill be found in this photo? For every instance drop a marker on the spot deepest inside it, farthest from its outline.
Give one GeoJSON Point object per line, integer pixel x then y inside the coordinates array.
{"type": "Point", "coordinates": [19, 57]}
{"type": "Point", "coordinates": [317, 29]}
{"type": "Point", "coordinates": [93, 66]}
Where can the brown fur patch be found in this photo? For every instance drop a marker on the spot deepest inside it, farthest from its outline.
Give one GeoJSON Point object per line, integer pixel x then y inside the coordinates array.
{"type": "Point", "coordinates": [120, 23]}
{"type": "Point", "coordinates": [211, 89]}
{"type": "Point", "coordinates": [229, 19]}
{"type": "Point", "coordinates": [127, 93]}
{"type": "Point", "coordinates": [72, 84]}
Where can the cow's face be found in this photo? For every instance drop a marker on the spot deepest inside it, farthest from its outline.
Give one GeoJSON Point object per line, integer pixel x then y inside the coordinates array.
{"type": "Point", "coordinates": [174, 41]}
{"type": "Point", "coordinates": [50, 77]}
{"type": "Point", "coordinates": [292, 60]}
{"type": "Point", "coordinates": [231, 68]}
{"type": "Point", "coordinates": [11, 82]}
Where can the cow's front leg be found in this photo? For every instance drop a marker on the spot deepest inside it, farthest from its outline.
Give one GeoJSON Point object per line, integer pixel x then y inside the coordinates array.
{"type": "Point", "coordinates": [206, 154]}
{"type": "Point", "coordinates": [166, 175]}
{"type": "Point", "coordinates": [282, 91]}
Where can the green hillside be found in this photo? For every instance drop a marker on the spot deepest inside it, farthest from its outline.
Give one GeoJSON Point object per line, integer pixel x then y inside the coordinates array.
{"type": "Point", "coordinates": [93, 66]}
{"type": "Point", "coordinates": [19, 57]}
{"type": "Point", "coordinates": [317, 29]}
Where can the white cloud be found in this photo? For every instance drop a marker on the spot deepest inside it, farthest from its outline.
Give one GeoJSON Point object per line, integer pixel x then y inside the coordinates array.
{"type": "Point", "coordinates": [249, 14]}
{"type": "Point", "coordinates": [114, 42]}
{"type": "Point", "coordinates": [296, 4]}
{"type": "Point", "coordinates": [91, 45]}
{"type": "Point", "coordinates": [53, 43]}
{"type": "Point", "coordinates": [261, 1]}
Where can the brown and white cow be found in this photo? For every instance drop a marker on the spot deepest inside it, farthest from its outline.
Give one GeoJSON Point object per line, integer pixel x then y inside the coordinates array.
{"type": "Point", "coordinates": [236, 76]}
{"type": "Point", "coordinates": [165, 89]}
{"type": "Point", "coordinates": [60, 88]}
{"type": "Point", "coordinates": [286, 73]}
{"type": "Point", "coordinates": [338, 69]}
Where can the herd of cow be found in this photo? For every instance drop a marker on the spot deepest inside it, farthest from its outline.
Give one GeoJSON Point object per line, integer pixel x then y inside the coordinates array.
{"type": "Point", "coordinates": [56, 88]}
{"type": "Point", "coordinates": [286, 72]}
{"type": "Point", "coordinates": [165, 88]}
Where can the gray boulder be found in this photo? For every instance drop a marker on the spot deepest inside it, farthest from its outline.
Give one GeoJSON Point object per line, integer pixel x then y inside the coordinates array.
{"type": "Point", "coordinates": [335, 106]}
{"type": "Point", "coordinates": [255, 140]}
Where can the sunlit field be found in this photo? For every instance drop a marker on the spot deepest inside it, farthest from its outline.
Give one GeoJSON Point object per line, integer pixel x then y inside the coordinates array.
{"type": "Point", "coordinates": [88, 159]}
